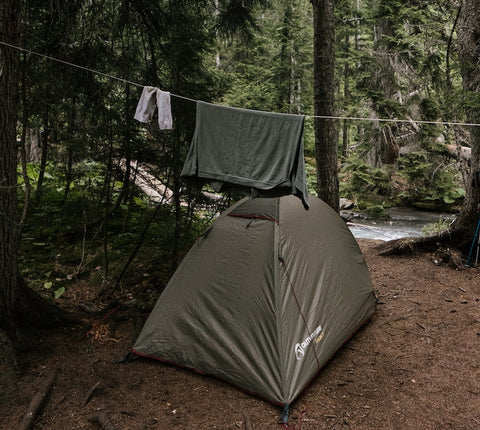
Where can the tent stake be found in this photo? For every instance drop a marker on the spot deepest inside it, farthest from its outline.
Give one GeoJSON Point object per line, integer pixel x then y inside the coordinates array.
{"type": "Point", "coordinates": [285, 413]}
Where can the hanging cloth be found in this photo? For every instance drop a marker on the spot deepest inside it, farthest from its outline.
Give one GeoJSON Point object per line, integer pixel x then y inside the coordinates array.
{"type": "Point", "coordinates": [154, 97]}
{"type": "Point", "coordinates": [258, 153]}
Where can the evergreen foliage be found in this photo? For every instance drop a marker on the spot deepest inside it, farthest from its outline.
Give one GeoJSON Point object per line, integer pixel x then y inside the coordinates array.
{"type": "Point", "coordinates": [394, 59]}
{"type": "Point", "coordinates": [395, 54]}
{"type": "Point", "coordinates": [365, 184]}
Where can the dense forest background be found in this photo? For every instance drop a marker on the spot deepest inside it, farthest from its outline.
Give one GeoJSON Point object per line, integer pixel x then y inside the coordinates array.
{"type": "Point", "coordinates": [86, 164]}
{"type": "Point", "coordinates": [94, 217]}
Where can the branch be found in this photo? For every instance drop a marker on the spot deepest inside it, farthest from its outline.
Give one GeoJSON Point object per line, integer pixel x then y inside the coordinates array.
{"type": "Point", "coordinates": [409, 245]}
{"type": "Point", "coordinates": [90, 393]}
{"type": "Point", "coordinates": [38, 401]}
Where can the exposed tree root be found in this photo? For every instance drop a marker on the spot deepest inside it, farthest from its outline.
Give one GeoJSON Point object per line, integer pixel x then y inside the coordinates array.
{"type": "Point", "coordinates": [36, 311]}
{"type": "Point", "coordinates": [32, 312]}
{"type": "Point", "coordinates": [8, 362]}
{"type": "Point", "coordinates": [411, 245]}
{"type": "Point", "coordinates": [90, 393]}
{"type": "Point", "coordinates": [38, 402]}
{"type": "Point", "coordinates": [101, 418]}
{"type": "Point", "coordinates": [446, 245]}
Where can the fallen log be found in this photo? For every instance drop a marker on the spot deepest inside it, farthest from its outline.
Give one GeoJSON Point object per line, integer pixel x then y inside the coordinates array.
{"type": "Point", "coordinates": [458, 151]}
{"type": "Point", "coordinates": [38, 402]}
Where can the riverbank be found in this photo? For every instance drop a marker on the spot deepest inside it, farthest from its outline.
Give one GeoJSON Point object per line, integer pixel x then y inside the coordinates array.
{"type": "Point", "coordinates": [398, 223]}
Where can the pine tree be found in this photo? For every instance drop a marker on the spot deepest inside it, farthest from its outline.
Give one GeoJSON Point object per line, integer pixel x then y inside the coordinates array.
{"type": "Point", "coordinates": [9, 287]}
{"type": "Point", "coordinates": [326, 140]}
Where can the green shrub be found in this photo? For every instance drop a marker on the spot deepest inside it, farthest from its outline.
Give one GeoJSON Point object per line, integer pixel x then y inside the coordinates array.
{"type": "Point", "coordinates": [360, 181]}
{"type": "Point", "coordinates": [429, 178]}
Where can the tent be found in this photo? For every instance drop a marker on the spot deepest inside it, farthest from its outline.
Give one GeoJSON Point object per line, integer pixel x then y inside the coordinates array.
{"type": "Point", "coordinates": [264, 298]}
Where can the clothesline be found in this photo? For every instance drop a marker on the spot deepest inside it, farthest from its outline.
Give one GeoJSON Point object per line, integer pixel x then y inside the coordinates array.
{"type": "Point", "coordinates": [352, 118]}
{"type": "Point", "coordinates": [106, 75]}
{"type": "Point", "coordinates": [348, 118]}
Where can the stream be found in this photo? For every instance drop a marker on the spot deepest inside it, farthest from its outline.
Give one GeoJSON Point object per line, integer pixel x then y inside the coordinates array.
{"type": "Point", "coordinates": [403, 222]}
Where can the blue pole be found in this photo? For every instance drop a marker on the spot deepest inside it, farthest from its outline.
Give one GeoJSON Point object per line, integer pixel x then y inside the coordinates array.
{"type": "Point", "coordinates": [467, 264]}
{"type": "Point", "coordinates": [285, 413]}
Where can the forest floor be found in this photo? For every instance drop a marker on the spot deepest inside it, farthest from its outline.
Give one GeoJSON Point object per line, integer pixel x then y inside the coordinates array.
{"type": "Point", "coordinates": [414, 365]}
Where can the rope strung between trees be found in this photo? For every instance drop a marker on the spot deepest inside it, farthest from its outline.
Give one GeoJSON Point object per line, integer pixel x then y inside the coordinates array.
{"type": "Point", "coordinates": [346, 118]}
{"type": "Point", "coordinates": [106, 75]}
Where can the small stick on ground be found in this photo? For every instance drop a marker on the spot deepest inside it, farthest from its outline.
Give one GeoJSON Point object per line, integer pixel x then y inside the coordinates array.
{"type": "Point", "coordinates": [102, 420]}
{"type": "Point", "coordinates": [38, 402]}
{"type": "Point", "coordinates": [90, 393]}
{"type": "Point", "coordinates": [248, 424]}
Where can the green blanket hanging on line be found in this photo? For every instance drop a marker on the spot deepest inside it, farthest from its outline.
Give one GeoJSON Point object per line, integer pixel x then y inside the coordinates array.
{"type": "Point", "coordinates": [258, 153]}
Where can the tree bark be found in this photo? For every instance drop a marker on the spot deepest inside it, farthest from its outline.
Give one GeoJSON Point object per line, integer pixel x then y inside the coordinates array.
{"type": "Point", "coordinates": [284, 75]}
{"type": "Point", "coordinates": [346, 96]}
{"type": "Point", "coordinates": [23, 150]}
{"type": "Point", "coordinates": [326, 139]}
{"type": "Point", "coordinates": [70, 148]}
{"type": "Point", "coordinates": [468, 34]}
{"type": "Point", "coordinates": [9, 73]}
{"type": "Point", "coordinates": [43, 159]}
{"type": "Point", "coordinates": [384, 149]}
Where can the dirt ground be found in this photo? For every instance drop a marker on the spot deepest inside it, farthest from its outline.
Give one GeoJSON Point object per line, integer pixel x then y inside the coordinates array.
{"type": "Point", "coordinates": [414, 365]}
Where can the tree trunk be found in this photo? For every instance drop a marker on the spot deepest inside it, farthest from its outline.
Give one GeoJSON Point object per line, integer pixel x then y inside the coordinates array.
{"type": "Point", "coordinates": [18, 304]}
{"type": "Point", "coordinates": [346, 96]}
{"type": "Point", "coordinates": [176, 185]}
{"type": "Point", "coordinates": [70, 147]}
{"type": "Point", "coordinates": [9, 73]}
{"type": "Point", "coordinates": [283, 79]}
{"type": "Point", "coordinates": [127, 144]}
{"type": "Point", "coordinates": [43, 160]}
{"type": "Point", "coordinates": [23, 140]}
{"type": "Point", "coordinates": [384, 148]}
{"type": "Point", "coordinates": [469, 55]}
{"type": "Point", "coordinates": [326, 139]}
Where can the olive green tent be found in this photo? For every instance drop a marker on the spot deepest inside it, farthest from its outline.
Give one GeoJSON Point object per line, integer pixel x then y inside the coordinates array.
{"type": "Point", "coordinates": [264, 298]}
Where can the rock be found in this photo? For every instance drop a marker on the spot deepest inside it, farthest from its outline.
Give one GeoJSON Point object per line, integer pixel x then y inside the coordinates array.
{"type": "Point", "coordinates": [346, 204]}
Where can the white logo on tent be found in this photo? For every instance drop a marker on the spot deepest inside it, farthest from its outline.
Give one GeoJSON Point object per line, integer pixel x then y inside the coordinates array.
{"type": "Point", "coordinates": [301, 347]}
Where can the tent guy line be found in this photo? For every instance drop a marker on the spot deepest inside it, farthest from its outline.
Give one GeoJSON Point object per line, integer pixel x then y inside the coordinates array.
{"type": "Point", "coordinates": [349, 118]}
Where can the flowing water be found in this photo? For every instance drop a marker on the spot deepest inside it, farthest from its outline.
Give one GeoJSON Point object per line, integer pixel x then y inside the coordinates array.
{"type": "Point", "coordinates": [403, 222]}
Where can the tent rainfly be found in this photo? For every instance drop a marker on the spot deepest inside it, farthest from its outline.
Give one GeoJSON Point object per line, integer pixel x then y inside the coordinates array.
{"type": "Point", "coordinates": [264, 298]}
